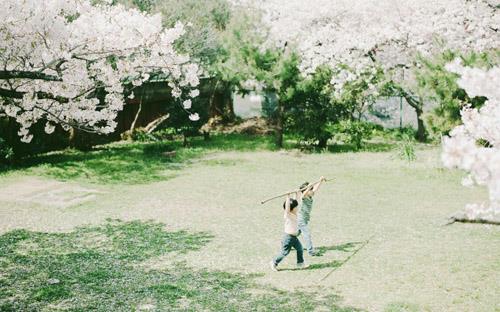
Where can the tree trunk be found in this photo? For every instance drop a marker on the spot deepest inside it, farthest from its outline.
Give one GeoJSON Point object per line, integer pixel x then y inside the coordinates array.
{"type": "Point", "coordinates": [206, 135]}
{"type": "Point", "coordinates": [418, 105]}
{"type": "Point", "coordinates": [421, 132]}
{"type": "Point", "coordinates": [132, 127]}
{"type": "Point", "coordinates": [81, 140]}
{"type": "Point", "coordinates": [228, 104]}
{"type": "Point", "coordinates": [212, 108]}
{"type": "Point", "coordinates": [150, 127]}
{"type": "Point", "coordinates": [221, 102]}
{"type": "Point", "coordinates": [322, 142]}
{"type": "Point", "coordinates": [279, 125]}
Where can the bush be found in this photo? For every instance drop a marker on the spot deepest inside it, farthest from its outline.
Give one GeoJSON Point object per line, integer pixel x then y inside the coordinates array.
{"type": "Point", "coordinates": [395, 134]}
{"type": "Point", "coordinates": [6, 152]}
{"type": "Point", "coordinates": [312, 109]}
{"type": "Point", "coordinates": [141, 135]}
{"type": "Point", "coordinates": [353, 132]}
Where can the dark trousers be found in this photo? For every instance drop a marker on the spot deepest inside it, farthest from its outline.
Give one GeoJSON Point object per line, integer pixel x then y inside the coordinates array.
{"type": "Point", "coordinates": [287, 243]}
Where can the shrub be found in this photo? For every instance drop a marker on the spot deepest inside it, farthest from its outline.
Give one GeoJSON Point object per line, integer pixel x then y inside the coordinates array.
{"type": "Point", "coordinates": [353, 132]}
{"type": "Point", "coordinates": [312, 109]}
{"type": "Point", "coordinates": [6, 152]}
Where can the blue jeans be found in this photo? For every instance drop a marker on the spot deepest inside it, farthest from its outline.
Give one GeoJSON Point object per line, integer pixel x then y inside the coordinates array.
{"type": "Point", "coordinates": [287, 243]}
{"type": "Point", "coordinates": [304, 229]}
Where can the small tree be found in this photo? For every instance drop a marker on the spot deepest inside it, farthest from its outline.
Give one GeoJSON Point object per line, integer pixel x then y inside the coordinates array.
{"type": "Point", "coordinates": [311, 109]}
{"type": "Point", "coordinates": [275, 71]}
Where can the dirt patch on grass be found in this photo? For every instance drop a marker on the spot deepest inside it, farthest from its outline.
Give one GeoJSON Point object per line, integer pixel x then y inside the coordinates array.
{"type": "Point", "coordinates": [251, 126]}
{"type": "Point", "coordinates": [49, 193]}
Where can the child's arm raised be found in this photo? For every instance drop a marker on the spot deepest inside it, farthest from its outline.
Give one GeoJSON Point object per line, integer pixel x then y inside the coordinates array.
{"type": "Point", "coordinates": [317, 185]}
{"type": "Point", "coordinates": [287, 203]}
{"type": "Point", "coordinates": [298, 196]}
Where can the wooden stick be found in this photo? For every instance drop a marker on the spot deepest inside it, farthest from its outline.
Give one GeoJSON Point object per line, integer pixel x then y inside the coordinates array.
{"type": "Point", "coordinates": [291, 192]}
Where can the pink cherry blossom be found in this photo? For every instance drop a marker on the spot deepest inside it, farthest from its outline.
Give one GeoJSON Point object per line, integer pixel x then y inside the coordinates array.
{"type": "Point", "coordinates": [475, 145]}
{"type": "Point", "coordinates": [59, 56]}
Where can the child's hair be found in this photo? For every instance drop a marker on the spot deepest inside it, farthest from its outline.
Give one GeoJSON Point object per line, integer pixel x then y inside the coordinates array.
{"type": "Point", "coordinates": [303, 186]}
{"type": "Point", "coordinates": [293, 203]}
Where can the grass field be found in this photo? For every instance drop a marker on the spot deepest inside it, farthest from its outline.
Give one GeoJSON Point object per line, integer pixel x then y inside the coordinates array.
{"type": "Point", "coordinates": [194, 236]}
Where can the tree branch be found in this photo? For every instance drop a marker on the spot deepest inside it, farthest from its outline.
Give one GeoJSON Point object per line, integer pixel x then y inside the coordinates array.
{"type": "Point", "coordinates": [62, 121]}
{"type": "Point", "coordinates": [416, 104]}
{"type": "Point", "coordinates": [19, 74]}
{"type": "Point", "coordinates": [12, 94]}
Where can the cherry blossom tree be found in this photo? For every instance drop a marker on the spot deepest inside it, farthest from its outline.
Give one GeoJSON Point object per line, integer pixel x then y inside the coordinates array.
{"type": "Point", "coordinates": [389, 33]}
{"type": "Point", "coordinates": [474, 146]}
{"type": "Point", "coordinates": [348, 32]}
{"type": "Point", "coordinates": [72, 62]}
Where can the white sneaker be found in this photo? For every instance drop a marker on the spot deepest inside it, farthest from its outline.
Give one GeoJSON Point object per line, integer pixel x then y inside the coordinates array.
{"type": "Point", "coordinates": [302, 265]}
{"type": "Point", "coordinates": [273, 265]}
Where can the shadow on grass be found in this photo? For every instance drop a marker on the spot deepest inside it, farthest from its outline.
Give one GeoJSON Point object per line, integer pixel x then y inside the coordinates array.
{"type": "Point", "coordinates": [317, 266]}
{"type": "Point", "coordinates": [347, 247]}
{"type": "Point", "coordinates": [126, 163]}
{"type": "Point", "coordinates": [141, 162]}
{"type": "Point", "coordinates": [133, 162]}
{"type": "Point", "coordinates": [102, 268]}
{"type": "Point", "coordinates": [320, 251]}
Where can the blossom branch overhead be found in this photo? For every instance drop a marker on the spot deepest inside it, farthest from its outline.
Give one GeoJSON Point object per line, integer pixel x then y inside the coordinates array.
{"type": "Point", "coordinates": [56, 54]}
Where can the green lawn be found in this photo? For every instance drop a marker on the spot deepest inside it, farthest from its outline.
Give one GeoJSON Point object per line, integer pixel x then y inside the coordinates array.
{"type": "Point", "coordinates": [209, 240]}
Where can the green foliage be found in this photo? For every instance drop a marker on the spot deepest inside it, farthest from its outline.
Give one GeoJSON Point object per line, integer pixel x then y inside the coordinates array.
{"type": "Point", "coordinates": [207, 20]}
{"type": "Point", "coordinates": [140, 135]}
{"type": "Point", "coordinates": [178, 120]}
{"type": "Point", "coordinates": [352, 131]}
{"type": "Point", "coordinates": [442, 88]}
{"type": "Point", "coordinates": [311, 109]}
{"type": "Point", "coordinates": [406, 149]}
{"type": "Point", "coordinates": [361, 92]}
{"type": "Point", "coordinates": [395, 134]}
{"type": "Point", "coordinates": [269, 105]}
{"type": "Point", "coordinates": [402, 307]}
{"type": "Point", "coordinates": [12, 149]}
{"type": "Point", "coordinates": [107, 268]}
{"type": "Point", "coordinates": [144, 5]}
{"type": "Point", "coordinates": [6, 152]}
{"type": "Point", "coordinates": [216, 37]}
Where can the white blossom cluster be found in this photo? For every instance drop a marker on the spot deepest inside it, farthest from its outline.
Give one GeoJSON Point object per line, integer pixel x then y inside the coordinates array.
{"type": "Point", "coordinates": [365, 72]}
{"type": "Point", "coordinates": [357, 32]}
{"type": "Point", "coordinates": [474, 146]}
{"type": "Point", "coordinates": [67, 61]}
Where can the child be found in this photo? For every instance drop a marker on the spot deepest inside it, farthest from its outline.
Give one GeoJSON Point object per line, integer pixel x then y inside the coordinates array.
{"type": "Point", "coordinates": [290, 238]}
{"type": "Point", "coordinates": [305, 212]}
